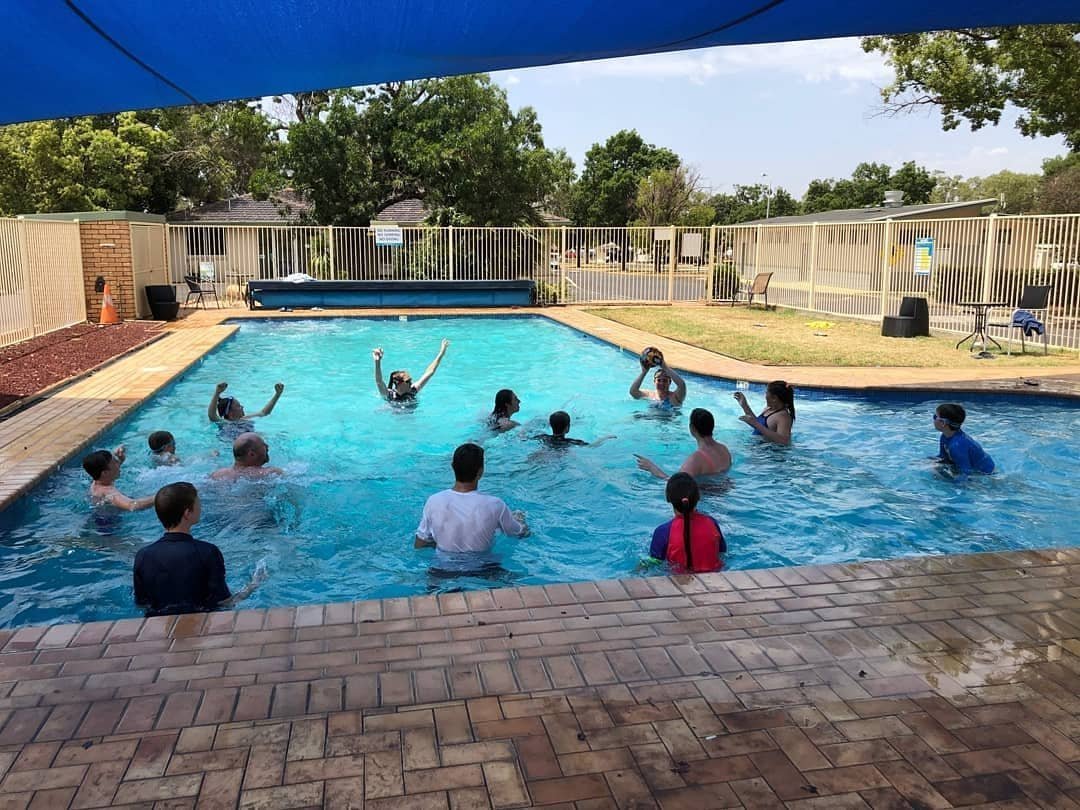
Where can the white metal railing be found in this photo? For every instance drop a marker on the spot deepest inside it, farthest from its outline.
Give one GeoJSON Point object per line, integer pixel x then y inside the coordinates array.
{"type": "Point", "coordinates": [41, 278]}
{"type": "Point", "coordinates": [857, 270]}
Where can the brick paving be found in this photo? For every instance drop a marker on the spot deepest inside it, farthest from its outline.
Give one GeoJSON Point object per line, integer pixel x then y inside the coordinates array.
{"type": "Point", "coordinates": [917, 683]}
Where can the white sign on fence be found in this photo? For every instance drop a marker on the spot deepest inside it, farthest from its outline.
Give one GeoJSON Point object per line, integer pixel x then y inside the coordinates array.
{"type": "Point", "coordinates": [691, 246]}
{"type": "Point", "coordinates": [388, 237]}
{"type": "Point", "coordinates": [924, 255]}
{"type": "Point", "coordinates": [662, 234]}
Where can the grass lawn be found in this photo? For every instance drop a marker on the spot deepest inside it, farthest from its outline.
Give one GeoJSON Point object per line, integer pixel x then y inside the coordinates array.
{"type": "Point", "coordinates": [785, 338]}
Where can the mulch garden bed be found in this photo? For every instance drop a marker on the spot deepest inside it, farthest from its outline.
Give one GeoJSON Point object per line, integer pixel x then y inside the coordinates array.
{"type": "Point", "coordinates": [35, 364]}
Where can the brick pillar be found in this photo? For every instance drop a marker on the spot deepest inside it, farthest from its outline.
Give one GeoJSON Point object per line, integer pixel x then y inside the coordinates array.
{"type": "Point", "coordinates": [106, 251]}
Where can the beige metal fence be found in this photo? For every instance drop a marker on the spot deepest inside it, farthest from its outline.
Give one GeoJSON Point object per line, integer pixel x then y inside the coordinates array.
{"type": "Point", "coordinates": [41, 279]}
{"type": "Point", "coordinates": [858, 270]}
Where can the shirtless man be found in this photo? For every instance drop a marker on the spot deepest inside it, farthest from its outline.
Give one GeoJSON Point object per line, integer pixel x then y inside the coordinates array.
{"type": "Point", "coordinates": [104, 468]}
{"type": "Point", "coordinates": [663, 395]}
{"type": "Point", "coordinates": [710, 458]}
{"type": "Point", "coordinates": [251, 455]}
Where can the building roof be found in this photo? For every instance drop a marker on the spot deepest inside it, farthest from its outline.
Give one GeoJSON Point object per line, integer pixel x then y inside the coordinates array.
{"type": "Point", "coordinates": [877, 213]}
{"type": "Point", "coordinates": [282, 207]}
{"type": "Point", "coordinates": [404, 212]}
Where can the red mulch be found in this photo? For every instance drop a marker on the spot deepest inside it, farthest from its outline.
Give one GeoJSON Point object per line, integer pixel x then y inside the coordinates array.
{"type": "Point", "coordinates": [32, 365]}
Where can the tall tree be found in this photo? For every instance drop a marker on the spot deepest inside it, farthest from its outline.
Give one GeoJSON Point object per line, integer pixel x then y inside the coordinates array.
{"type": "Point", "coordinates": [667, 196]}
{"type": "Point", "coordinates": [1060, 193]}
{"type": "Point", "coordinates": [454, 142]}
{"type": "Point", "coordinates": [972, 74]}
{"type": "Point", "coordinates": [613, 171]}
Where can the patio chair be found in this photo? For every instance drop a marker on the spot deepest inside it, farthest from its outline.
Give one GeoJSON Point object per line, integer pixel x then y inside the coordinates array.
{"type": "Point", "coordinates": [759, 286]}
{"type": "Point", "coordinates": [1035, 299]}
{"type": "Point", "coordinates": [198, 290]}
{"type": "Point", "coordinates": [162, 300]}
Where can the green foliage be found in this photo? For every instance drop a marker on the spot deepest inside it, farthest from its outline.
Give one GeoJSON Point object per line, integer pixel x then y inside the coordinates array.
{"type": "Point", "coordinates": [747, 203]}
{"type": "Point", "coordinates": [667, 197]}
{"type": "Point", "coordinates": [867, 187]}
{"type": "Point", "coordinates": [972, 74]}
{"type": "Point", "coordinates": [147, 160]}
{"type": "Point", "coordinates": [613, 171]}
{"type": "Point", "coordinates": [1060, 193]}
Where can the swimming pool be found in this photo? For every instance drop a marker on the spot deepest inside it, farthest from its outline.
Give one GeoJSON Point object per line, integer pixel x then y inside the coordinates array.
{"type": "Point", "coordinates": [856, 484]}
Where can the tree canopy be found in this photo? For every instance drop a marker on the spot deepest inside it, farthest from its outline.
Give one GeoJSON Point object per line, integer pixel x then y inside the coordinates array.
{"type": "Point", "coordinates": [607, 192]}
{"type": "Point", "coordinates": [867, 186]}
{"type": "Point", "coordinates": [972, 74]}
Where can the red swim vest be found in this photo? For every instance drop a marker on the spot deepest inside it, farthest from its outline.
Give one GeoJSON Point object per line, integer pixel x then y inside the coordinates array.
{"type": "Point", "coordinates": [705, 543]}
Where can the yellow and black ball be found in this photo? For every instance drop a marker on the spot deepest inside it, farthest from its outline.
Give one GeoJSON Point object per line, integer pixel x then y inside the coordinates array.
{"type": "Point", "coordinates": [651, 357]}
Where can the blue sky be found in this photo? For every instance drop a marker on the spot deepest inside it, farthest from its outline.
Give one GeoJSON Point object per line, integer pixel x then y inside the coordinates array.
{"type": "Point", "coordinates": [794, 111]}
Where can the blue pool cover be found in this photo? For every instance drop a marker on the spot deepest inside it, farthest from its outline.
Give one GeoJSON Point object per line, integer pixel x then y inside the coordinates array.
{"type": "Point", "coordinates": [98, 56]}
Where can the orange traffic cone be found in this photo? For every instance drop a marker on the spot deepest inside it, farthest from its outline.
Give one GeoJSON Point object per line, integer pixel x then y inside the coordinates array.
{"type": "Point", "coordinates": [109, 315]}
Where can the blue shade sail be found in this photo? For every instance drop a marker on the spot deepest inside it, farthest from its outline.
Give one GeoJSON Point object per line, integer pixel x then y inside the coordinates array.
{"type": "Point", "coordinates": [97, 56]}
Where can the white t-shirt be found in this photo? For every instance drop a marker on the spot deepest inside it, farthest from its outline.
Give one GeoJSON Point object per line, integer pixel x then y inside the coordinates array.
{"type": "Point", "coordinates": [465, 521]}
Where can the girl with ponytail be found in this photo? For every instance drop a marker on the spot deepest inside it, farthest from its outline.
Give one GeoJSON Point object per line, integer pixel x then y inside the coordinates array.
{"type": "Point", "coordinates": [775, 422]}
{"type": "Point", "coordinates": [691, 542]}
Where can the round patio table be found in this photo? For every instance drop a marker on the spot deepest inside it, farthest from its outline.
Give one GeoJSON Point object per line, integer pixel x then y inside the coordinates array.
{"type": "Point", "coordinates": [978, 330]}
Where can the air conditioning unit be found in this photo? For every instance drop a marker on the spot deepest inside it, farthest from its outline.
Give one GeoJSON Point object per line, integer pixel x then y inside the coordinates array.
{"type": "Point", "coordinates": [893, 199]}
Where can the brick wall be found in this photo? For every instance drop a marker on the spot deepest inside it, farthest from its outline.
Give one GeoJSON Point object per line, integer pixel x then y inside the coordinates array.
{"type": "Point", "coordinates": [114, 263]}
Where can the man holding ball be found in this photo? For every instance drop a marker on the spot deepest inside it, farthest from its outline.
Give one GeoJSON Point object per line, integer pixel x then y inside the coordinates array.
{"type": "Point", "coordinates": [664, 377]}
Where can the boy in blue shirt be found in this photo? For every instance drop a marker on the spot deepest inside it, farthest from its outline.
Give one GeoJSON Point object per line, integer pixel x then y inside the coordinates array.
{"type": "Point", "coordinates": [956, 447]}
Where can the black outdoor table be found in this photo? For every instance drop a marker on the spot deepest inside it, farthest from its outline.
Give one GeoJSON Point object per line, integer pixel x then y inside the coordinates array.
{"type": "Point", "coordinates": [978, 331]}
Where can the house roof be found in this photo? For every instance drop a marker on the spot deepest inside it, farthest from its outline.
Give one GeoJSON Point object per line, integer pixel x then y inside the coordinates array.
{"type": "Point", "coordinates": [404, 212]}
{"type": "Point", "coordinates": [282, 207]}
{"type": "Point", "coordinates": [876, 213]}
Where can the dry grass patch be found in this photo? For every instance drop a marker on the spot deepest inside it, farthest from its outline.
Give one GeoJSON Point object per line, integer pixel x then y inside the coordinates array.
{"type": "Point", "coordinates": [787, 338]}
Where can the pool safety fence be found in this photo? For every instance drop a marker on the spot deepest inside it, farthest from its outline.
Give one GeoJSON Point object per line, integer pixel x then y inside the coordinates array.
{"type": "Point", "coordinates": [856, 270]}
{"type": "Point", "coordinates": [41, 278]}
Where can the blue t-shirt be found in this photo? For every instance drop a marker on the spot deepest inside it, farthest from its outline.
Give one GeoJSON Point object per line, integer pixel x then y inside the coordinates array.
{"type": "Point", "coordinates": [964, 453]}
{"type": "Point", "coordinates": [662, 534]}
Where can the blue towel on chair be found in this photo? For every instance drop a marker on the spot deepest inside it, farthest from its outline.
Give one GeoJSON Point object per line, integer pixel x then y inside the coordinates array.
{"type": "Point", "coordinates": [1028, 322]}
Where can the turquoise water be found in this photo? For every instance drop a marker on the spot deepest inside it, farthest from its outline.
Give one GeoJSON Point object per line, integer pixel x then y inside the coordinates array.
{"type": "Point", "coordinates": [855, 485]}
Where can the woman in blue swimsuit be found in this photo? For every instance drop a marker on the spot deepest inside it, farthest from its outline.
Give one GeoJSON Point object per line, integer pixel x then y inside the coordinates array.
{"type": "Point", "coordinates": [775, 422]}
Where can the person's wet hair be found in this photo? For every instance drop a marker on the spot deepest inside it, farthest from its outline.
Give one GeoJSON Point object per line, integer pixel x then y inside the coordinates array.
{"type": "Point", "coordinates": [785, 393]}
{"type": "Point", "coordinates": [702, 422]}
{"type": "Point", "coordinates": [243, 443]}
{"type": "Point", "coordinates": [172, 500]}
{"type": "Point", "coordinates": [560, 423]}
{"type": "Point", "coordinates": [502, 403]}
{"type": "Point", "coordinates": [468, 459]}
{"type": "Point", "coordinates": [397, 376]}
{"type": "Point", "coordinates": [952, 413]}
{"type": "Point", "coordinates": [159, 440]}
{"type": "Point", "coordinates": [224, 405]}
{"type": "Point", "coordinates": [96, 463]}
{"type": "Point", "coordinates": [683, 494]}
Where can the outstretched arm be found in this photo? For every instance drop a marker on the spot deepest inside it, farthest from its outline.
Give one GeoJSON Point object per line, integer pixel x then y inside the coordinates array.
{"type": "Point", "coordinates": [377, 355]}
{"type": "Point", "coordinates": [603, 439]}
{"type": "Point", "coordinates": [646, 464]}
{"type": "Point", "coordinates": [635, 386]}
{"type": "Point", "coordinates": [434, 365]}
{"type": "Point", "coordinates": [257, 579]}
{"type": "Point", "coordinates": [269, 406]}
{"type": "Point", "coordinates": [680, 384]}
{"type": "Point", "coordinates": [121, 501]}
{"type": "Point", "coordinates": [211, 412]}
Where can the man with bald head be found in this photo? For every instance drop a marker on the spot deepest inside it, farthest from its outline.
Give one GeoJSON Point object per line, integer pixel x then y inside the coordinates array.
{"type": "Point", "coordinates": [251, 455]}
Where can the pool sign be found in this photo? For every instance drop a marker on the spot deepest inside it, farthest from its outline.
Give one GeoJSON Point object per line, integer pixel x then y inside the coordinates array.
{"type": "Point", "coordinates": [388, 237]}
{"type": "Point", "coordinates": [924, 255]}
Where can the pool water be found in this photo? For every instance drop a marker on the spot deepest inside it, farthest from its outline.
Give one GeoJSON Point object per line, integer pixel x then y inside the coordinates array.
{"type": "Point", "coordinates": [856, 484]}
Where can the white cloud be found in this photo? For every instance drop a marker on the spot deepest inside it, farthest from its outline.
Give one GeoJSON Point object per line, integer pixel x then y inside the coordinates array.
{"type": "Point", "coordinates": [978, 161]}
{"type": "Point", "coordinates": [505, 78]}
{"type": "Point", "coordinates": [816, 61]}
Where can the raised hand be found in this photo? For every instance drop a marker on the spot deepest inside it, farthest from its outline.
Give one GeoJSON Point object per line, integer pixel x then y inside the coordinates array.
{"type": "Point", "coordinates": [377, 354]}
{"type": "Point", "coordinates": [279, 388]}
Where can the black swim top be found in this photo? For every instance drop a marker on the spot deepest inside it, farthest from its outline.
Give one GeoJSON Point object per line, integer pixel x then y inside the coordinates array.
{"type": "Point", "coordinates": [393, 395]}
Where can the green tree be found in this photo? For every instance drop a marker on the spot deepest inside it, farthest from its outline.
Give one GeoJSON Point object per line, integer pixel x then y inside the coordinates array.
{"type": "Point", "coordinates": [867, 187]}
{"type": "Point", "coordinates": [560, 200]}
{"type": "Point", "coordinates": [667, 197]}
{"type": "Point", "coordinates": [607, 191]}
{"type": "Point", "coordinates": [747, 203]}
{"type": "Point", "coordinates": [1060, 193]}
{"type": "Point", "coordinates": [972, 74]}
{"type": "Point", "coordinates": [453, 142]}
{"type": "Point", "coordinates": [1052, 166]}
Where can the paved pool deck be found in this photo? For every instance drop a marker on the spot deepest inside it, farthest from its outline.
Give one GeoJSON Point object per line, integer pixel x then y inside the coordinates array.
{"type": "Point", "coordinates": [914, 683]}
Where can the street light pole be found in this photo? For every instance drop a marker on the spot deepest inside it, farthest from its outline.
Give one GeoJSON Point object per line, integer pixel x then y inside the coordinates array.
{"type": "Point", "coordinates": [768, 194]}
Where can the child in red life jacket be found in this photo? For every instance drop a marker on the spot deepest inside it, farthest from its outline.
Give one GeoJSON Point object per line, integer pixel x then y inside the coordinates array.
{"type": "Point", "coordinates": [691, 542]}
